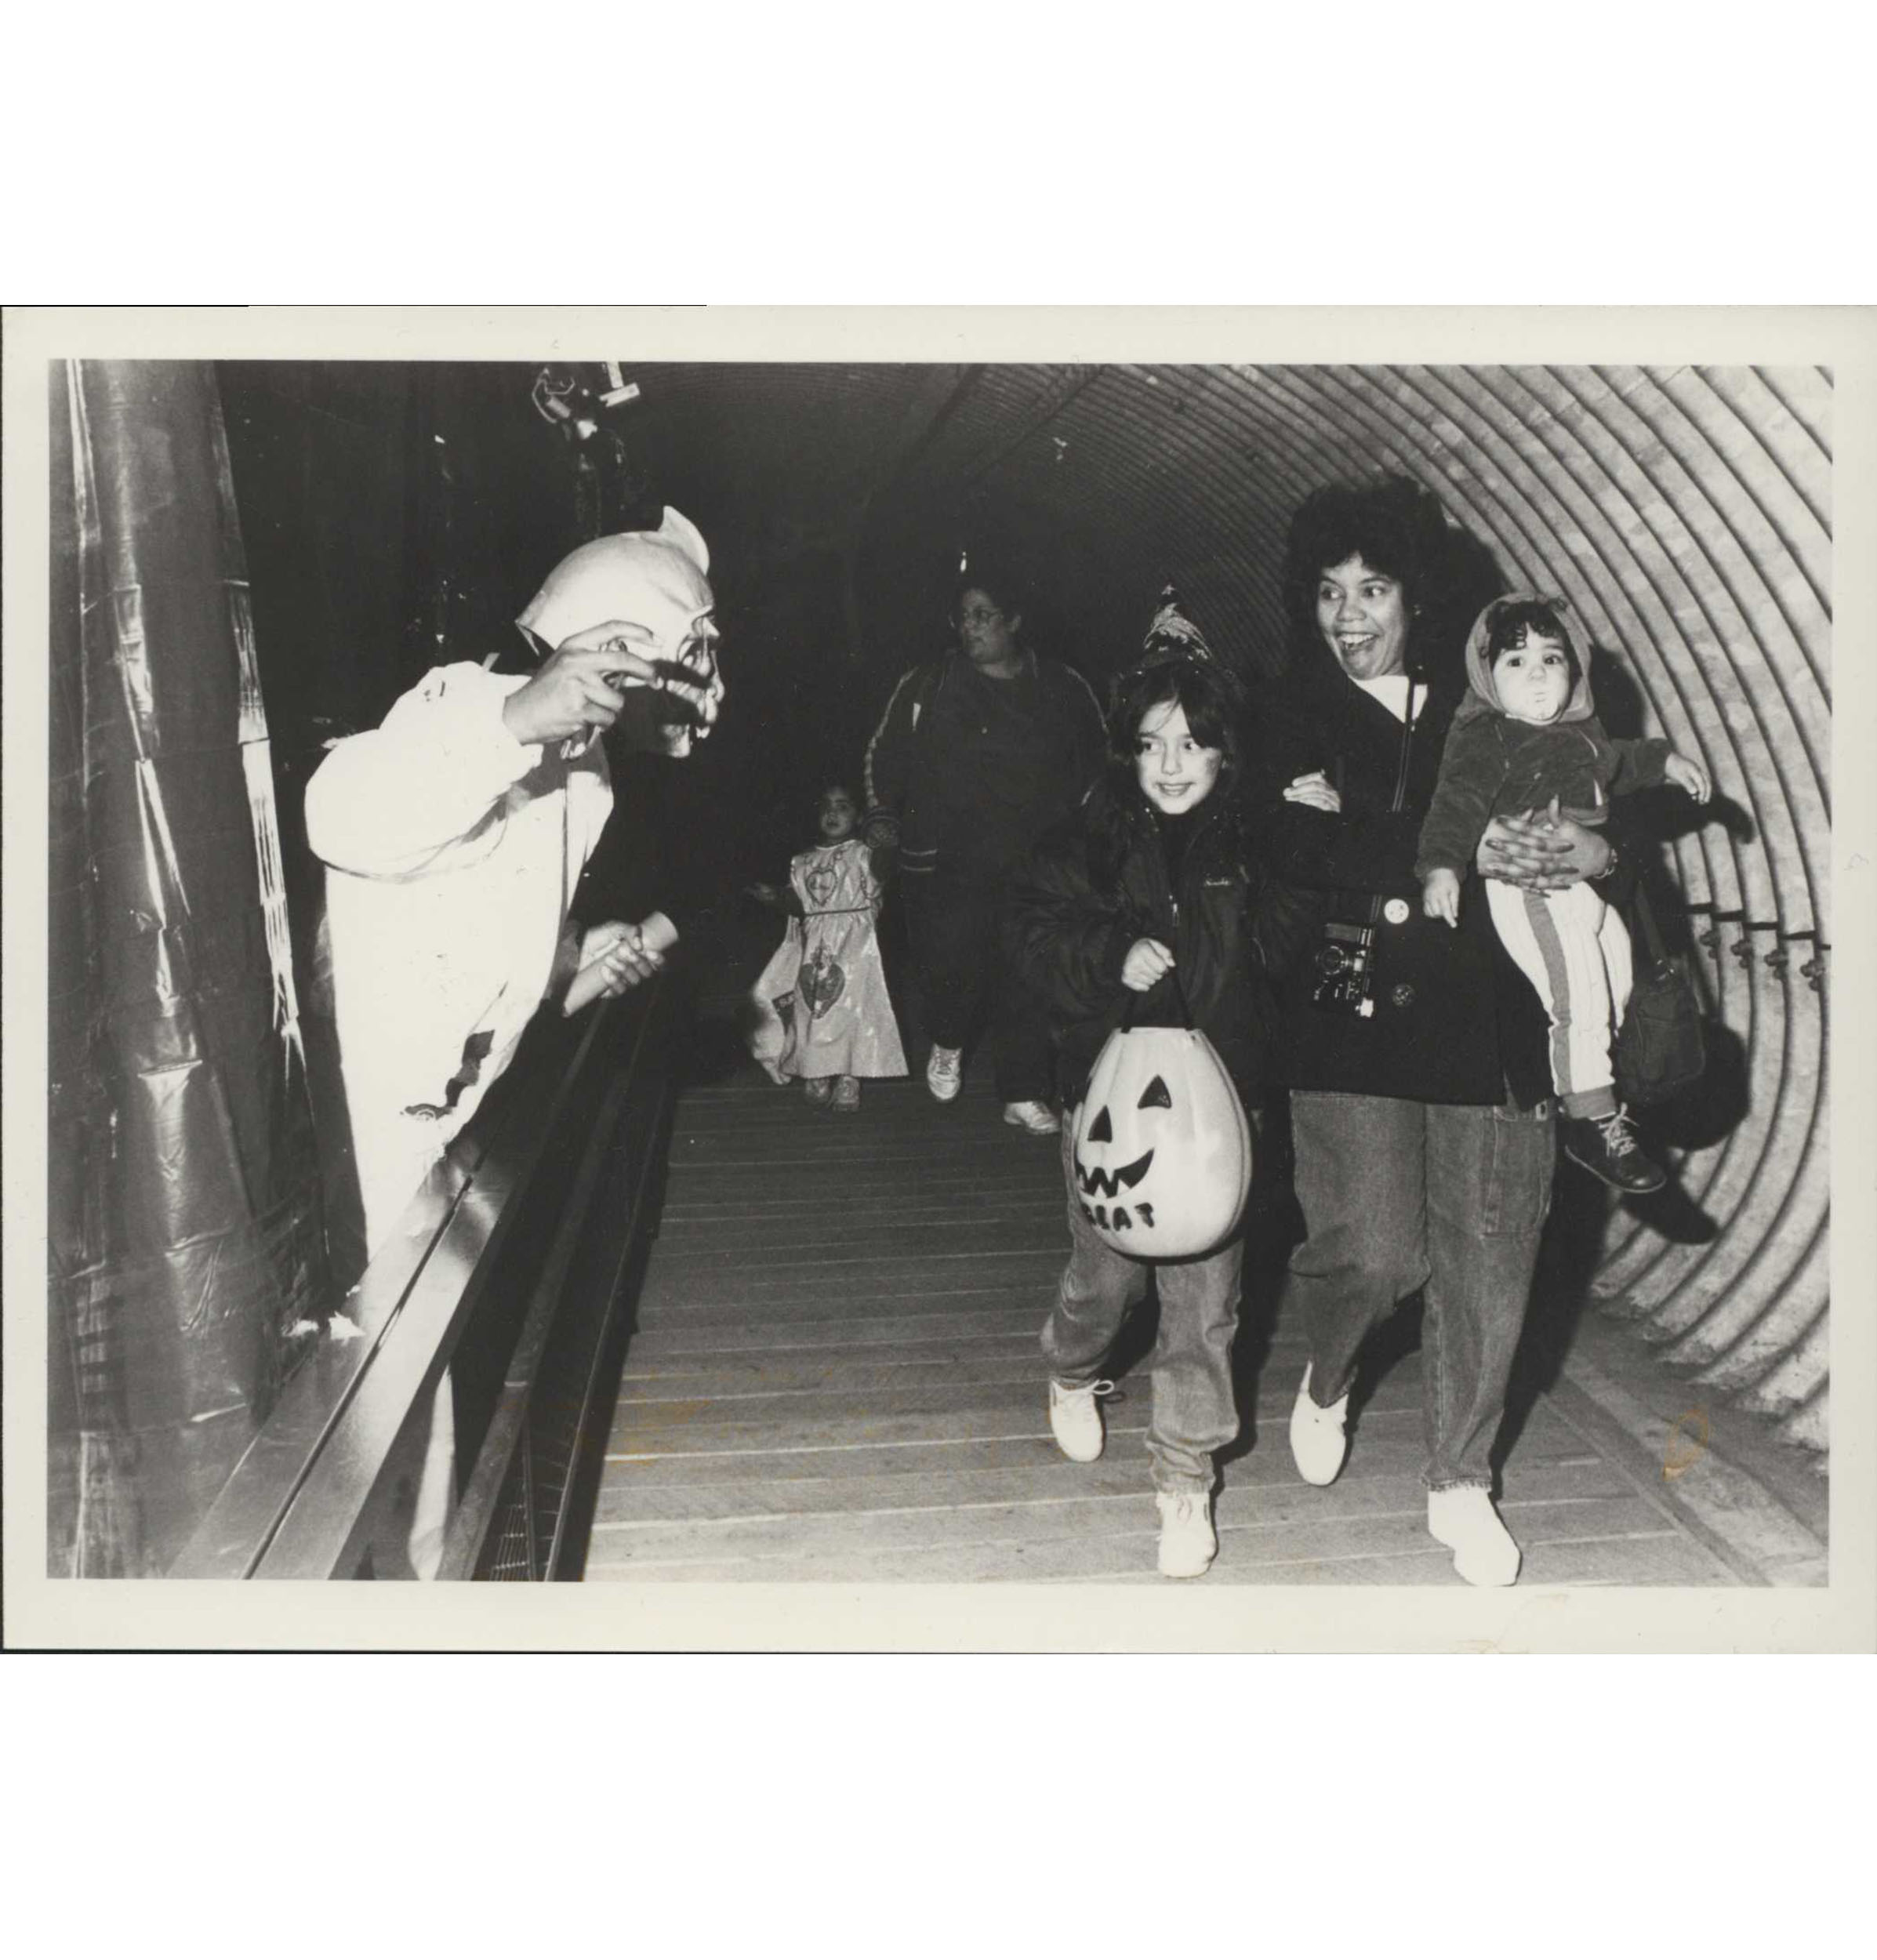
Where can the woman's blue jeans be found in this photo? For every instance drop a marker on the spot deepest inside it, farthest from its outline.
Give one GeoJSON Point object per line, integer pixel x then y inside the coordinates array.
{"type": "Point", "coordinates": [1194, 1410]}
{"type": "Point", "coordinates": [1448, 1200]}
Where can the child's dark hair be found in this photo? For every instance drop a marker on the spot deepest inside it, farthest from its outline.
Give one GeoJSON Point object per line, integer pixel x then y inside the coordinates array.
{"type": "Point", "coordinates": [1212, 697]}
{"type": "Point", "coordinates": [1512, 623]}
{"type": "Point", "coordinates": [832, 785]}
{"type": "Point", "coordinates": [1214, 701]}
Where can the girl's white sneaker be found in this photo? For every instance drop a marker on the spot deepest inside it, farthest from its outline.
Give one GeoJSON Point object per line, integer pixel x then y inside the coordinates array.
{"type": "Point", "coordinates": [1075, 1419]}
{"type": "Point", "coordinates": [1188, 1544]}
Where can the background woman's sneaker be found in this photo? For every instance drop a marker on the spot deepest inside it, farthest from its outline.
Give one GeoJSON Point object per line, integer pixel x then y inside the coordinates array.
{"type": "Point", "coordinates": [1485, 1553]}
{"type": "Point", "coordinates": [943, 1068]}
{"type": "Point", "coordinates": [1188, 1544]}
{"type": "Point", "coordinates": [1605, 1146]}
{"type": "Point", "coordinates": [818, 1089]}
{"type": "Point", "coordinates": [1318, 1439]}
{"type": "Point", "coordinates": [847, 1094]}
{"type": "Point", "coordinates": [1037, 1118]}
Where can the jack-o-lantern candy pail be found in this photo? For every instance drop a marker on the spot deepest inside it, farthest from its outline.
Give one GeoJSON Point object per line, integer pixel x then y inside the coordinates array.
{"type": "Point", "coordinates": [1162, 1155]}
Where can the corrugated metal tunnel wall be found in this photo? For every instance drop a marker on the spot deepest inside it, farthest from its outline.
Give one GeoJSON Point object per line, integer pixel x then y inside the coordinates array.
{"type": "Point", "coordinates": [1686, 512]}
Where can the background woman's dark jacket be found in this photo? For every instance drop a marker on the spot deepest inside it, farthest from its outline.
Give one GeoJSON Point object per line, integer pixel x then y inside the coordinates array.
{"type": "Point", "coordinates": [964, 771]}
{"type": "Point", "coordinates": [1097, 881]}
{"type": "Point", "coordinates": [1454, 1020]}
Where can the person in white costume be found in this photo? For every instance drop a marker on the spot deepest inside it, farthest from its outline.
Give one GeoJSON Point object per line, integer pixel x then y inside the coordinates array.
{"type": "Point", "coordinates": [453, 836]}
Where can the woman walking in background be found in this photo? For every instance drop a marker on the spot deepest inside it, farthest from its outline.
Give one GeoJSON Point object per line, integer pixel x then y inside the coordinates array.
{"type": "Point", "coordinates": [976, 755]}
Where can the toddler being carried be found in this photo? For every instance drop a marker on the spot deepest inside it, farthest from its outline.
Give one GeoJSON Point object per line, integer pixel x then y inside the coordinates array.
{"type": "Point", "coordinates": [1527, 737]}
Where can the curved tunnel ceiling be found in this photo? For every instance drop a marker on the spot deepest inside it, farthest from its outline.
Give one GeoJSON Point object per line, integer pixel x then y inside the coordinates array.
{"type": "Point", "coordinates": [1685, 511]}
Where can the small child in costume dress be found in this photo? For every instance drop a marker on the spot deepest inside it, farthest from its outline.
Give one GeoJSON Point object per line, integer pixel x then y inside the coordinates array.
{"type": "Point", "coordinates": [828, 970]}
{"type": "Point", "coordinates": [1527, 736]}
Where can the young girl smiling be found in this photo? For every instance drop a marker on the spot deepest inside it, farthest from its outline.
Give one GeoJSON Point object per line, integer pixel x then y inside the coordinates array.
{"type": "Point", "coordinates": [1153, 882]}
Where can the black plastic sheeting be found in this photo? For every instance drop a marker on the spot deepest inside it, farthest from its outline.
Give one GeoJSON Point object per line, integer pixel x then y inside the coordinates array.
{"type": "Point", "coordinates": [183, 1235]}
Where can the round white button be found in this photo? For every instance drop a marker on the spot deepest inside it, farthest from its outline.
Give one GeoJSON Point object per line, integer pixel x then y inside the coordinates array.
{"type": "Point", "coordinates": [1395, 911]}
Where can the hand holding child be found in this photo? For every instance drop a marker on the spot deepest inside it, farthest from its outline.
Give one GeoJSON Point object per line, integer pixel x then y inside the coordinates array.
{"type": "Point", "coordinates": [1541, 851]}
{"type": "Point", "coordinates": [1440, 896]}
{"type": "Point", "coordinates": [1148, 964]}
{"type": "Point", "coordinates": [1688, 775]}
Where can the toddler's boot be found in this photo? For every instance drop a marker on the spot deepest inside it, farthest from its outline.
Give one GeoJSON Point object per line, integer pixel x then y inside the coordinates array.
{"type": "Point", "coordinates": [1605, 1146]}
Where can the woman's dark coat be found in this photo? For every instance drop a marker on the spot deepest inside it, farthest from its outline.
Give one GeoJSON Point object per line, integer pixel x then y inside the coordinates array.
{"type": "Point", "coordinates": [1454, 1020]}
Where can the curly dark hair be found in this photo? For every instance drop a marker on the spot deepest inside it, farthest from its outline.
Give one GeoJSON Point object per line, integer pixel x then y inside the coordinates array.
{"type": "Point", "coordinates": [1393, 524]}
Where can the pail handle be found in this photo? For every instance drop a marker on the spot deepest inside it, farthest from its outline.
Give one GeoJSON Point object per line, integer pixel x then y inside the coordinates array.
{"type": "Point", "coordinates": [1179, 994]}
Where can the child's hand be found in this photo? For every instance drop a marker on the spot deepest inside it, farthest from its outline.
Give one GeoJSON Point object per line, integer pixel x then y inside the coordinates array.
{"type": "Point", "coordinates": [1688, 775]}
{"type": "Point", "coordinates": [1440, 896]}
{"type": "Point", "coordinates": [1148, 964]}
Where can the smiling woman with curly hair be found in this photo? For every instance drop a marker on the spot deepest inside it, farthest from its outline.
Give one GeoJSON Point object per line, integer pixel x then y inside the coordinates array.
{"type": "Point", "coordinates": [1415, 1054]}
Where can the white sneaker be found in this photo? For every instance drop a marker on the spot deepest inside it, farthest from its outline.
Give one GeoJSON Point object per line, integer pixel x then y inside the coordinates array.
{"type": "Point", "coordinates": [1318, 1441]}
{"type": "Point", "coordinates": [943, 1068]}
{"type": "Point", "coordinates": [1075, 1419]}
{"type": "Point", "coordinates": [1485, 1553]}
{"type": "Point", "coordinates": [1037, 1118]}
{"type": "Point", "coordinates": [1188, 1542]}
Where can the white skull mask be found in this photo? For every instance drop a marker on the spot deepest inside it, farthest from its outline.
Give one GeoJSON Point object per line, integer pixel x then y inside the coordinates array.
{"type": "Point", "coordinates": [653, 583]}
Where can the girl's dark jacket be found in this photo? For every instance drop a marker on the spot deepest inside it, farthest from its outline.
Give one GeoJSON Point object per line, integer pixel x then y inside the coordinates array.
{"type": "Point", "coordinates": [1454, 1020]}
{"type": "Point", "coordinates": [1097, 882]}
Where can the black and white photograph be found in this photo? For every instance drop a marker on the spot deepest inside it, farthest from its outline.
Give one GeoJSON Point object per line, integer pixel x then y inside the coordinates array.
{"type": "Point", "coordinates": [865, 981]}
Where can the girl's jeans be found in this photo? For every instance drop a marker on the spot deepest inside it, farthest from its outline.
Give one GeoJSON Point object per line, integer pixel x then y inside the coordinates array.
{"type": "Point", "coordinates": [1193, 1411]}
{"type": "Point", "coordinates": [1450, 1200]}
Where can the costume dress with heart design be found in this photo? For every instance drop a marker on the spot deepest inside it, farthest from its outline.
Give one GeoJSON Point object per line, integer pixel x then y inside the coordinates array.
{"type": "Point", "coordinates": [842, 1017]}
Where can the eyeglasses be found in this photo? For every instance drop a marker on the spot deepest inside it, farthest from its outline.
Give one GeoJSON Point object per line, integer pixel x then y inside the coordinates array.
{"type": "Point", "coordinates": [977, 616]}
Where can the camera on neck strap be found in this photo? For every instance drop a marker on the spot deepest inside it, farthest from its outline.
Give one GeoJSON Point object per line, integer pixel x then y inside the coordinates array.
{"type": "Point", "coordinates": [1344, 966]}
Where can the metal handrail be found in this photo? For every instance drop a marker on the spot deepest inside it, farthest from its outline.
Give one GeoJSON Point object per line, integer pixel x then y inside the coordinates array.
{"type": "Point", "coordinates": [299, 1503]}
{"type": "Point", "coordinates": [591, 1251]}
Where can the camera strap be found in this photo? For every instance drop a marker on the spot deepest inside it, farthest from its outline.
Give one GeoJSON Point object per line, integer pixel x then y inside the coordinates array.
{"type": "Point", "coordinates": [1411, 716]}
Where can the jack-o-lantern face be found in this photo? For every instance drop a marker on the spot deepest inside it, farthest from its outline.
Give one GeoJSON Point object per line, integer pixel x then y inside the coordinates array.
{"type": "Point", "coordinates": [1162, 1155]}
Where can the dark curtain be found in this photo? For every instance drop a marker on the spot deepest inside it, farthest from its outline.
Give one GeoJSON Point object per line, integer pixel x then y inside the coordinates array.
{"type": "Point", "coordinates": [185, 1244]}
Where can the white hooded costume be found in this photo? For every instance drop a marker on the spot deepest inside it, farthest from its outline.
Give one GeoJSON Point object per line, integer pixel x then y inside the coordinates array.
{"type": "Point", "coordinates": [452, 851]}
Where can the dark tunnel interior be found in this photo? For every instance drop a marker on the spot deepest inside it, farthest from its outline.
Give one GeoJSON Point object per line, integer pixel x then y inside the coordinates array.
{"type": "Point", "coordinates": [394, 513]}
